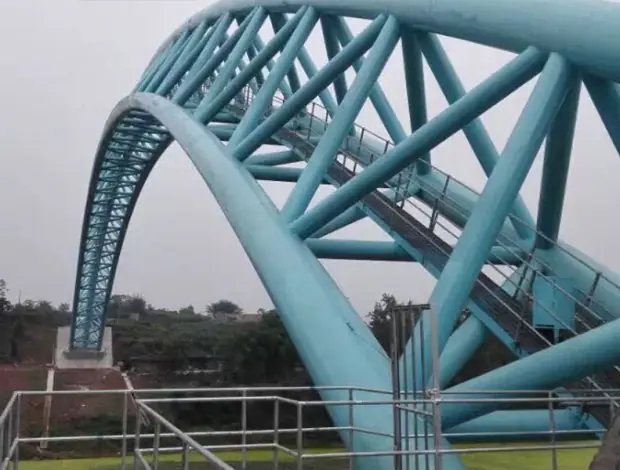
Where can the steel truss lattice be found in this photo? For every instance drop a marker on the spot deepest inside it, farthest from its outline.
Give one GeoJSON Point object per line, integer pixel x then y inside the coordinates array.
{"type": "Point", "coordinates": [222, 93]}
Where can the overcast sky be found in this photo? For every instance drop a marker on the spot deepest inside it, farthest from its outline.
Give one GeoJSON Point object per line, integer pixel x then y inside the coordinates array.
{"type": "Point", "coordinates": [66, 63]}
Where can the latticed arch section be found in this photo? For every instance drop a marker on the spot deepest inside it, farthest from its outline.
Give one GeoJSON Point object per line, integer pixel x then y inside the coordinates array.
{"type": "Point", "coordinates": [491, 258]}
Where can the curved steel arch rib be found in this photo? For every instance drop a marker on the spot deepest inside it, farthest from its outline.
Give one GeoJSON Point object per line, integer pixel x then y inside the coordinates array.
{"type": "Point", "coordinates": [297, 283]}
{"type": "Point", "coordinates": [200, 77]}
{"type": "Point", "coordinates": [509, 25]}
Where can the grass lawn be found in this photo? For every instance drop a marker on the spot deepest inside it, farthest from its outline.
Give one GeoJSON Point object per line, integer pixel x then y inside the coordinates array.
{"type": "Point", "coordinates": [574, 459]}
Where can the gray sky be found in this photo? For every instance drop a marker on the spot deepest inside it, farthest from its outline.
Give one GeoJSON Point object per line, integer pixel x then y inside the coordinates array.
{"type": "Point", "coordinates": [66, 63]}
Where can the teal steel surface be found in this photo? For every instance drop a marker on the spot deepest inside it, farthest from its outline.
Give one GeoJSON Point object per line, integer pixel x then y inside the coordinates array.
{"type": "Point", "coordinates": [223, 92]}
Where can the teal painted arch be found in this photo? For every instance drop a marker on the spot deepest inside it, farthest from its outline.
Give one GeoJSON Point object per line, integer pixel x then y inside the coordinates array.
{"type": "Point", "coordinates": [202, 77]}
{"type": "Point", "coordinates": [510, 25]}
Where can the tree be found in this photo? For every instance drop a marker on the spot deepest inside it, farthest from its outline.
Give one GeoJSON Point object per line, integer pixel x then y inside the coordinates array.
{"type": "Point", "coordinates": [189, 310]}
{"type": "Point", "coordinates": [260, 353]}
{"type": "Point", "coordinates": [137, 305]}
{"type": "Point", "coordinates": [223, 307]}
{"type": "Point", "coordinates": [64, 307]}
{"type": "Point", "coordinates": [5, 305]}
{"type": "Point", "coordinates": [44, 306]}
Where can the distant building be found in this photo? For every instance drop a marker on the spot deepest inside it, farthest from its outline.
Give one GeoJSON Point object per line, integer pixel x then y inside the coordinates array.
{"type": "Point", "coordinates": [248, 318]}
{"type": "Point", "coordinates": [236, 317]}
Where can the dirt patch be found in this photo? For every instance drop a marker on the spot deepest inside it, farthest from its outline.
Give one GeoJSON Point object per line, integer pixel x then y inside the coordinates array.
{"type": "Point", "coordinates": [87, 405]}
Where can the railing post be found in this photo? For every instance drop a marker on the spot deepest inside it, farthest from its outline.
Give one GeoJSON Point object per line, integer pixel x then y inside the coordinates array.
{"type": "Point", "coordinates": [9, 443]}
{"type": "Point", "coordinates": [435, 213]}
{"type": "Point", "coordinates": [554, 455]}
{"type": "Point", "coordinates": [124, 442]}
{"type": "Point", "coordinates": [136, 445]}
{"type": "Point", "coordinates": [597, 278]}
{"type": "Point", "coordinates": [326, 119]}
{"type": "Point", "coordinates": [156, 440]}
{"type": "Point", "coordinates": [244, 425]}
{"type": "Point", "coordinates": [2, 426]}
{"type": "Point", "coordinates": [17, 406]}
{"type": "Point", "coordinates": [276, 433]}
{"type": "Point", "coordinates": [351, 430]}
{"type": "Point", "coordinates": [359, 148]}
{"type": "Point", "coordinates": [185, 457]}
{"type": "Point", "coordinates": [310, 122]}
{"type": "Point", "coordinates": [435, 400]}
{"type": "Point", "coordinates": [300, 436]}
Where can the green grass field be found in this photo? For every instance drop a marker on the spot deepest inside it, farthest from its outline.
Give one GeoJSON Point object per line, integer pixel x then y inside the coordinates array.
{"type": "Point", "coordinates": [573, 459]}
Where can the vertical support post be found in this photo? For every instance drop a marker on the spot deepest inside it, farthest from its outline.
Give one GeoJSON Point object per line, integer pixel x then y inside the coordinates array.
{"type": "Point", "coordinates": [476, 134]}
{"type": "Point", "coordinates": [497, 199]}
{"type": "Point", "coordinates": [156, 439]}
{"type": "Point", "coordinates": [351, 429]}
{"type": "Point", "coordinates": [554, 455]}
{"type": "Point", "coordinates": [555, 170]}
{"type": "Point", "coordinates": [395, 389]}
{"type": "Point", "coordinates": [124, 430]}
{"type": "Point", "coordinates": [185, 457]}
{"type": "Point", "coordinates": [332, 48]}
{"type": "Point", "coordinates": [9, 443]}
{"type": "Point", "coordinates": [416, 97]}
{"type": "Point", "coordinates": [322, 157]}
{"type": "Point", "coordinates": [276, 433]}
{"type": "Point", "coordinates": [244, 428]}
{"type": "Point", "coordinates": [136, 444]}
{"type": "Point", "coordinates": [18, 413]}
{"type": "Point", "coordinates": [436, 392]}
{"type": "Point", "coordinates": [2, 439]}
{"type": "Point", "coordinates": [300, 436]}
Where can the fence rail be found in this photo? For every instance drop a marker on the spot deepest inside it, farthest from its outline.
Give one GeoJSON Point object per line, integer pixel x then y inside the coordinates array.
{"type": "Point", "coordinates": [146, 444]}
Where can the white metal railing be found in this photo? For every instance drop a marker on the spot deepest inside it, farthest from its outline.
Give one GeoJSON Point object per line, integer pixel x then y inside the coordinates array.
{"type": "Point", "coordinates": [421, 443]}
{"type": "Point", "coordinates": [9, 433]}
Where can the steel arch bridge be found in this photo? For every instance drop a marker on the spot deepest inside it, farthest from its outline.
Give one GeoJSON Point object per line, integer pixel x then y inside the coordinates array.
{"type": "Point", "coordinates": [222, 93]}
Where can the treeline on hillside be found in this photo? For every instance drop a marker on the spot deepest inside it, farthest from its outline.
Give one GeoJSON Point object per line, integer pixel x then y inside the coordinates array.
{"type": "Point", "coordinates": [219, 347]}
{"type": "Point", "coordinates": [246, 350]}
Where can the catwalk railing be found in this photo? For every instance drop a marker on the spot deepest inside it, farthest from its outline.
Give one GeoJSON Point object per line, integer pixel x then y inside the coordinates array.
{"type": "Point", "coordinates": [363, 147]}
{"type": "Point", "coordinates": [290, 444]}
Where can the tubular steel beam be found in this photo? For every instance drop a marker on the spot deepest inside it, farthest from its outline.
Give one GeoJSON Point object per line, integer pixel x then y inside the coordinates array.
{"type": "Point", "coordinates": [450, 121]}
{"type": "Point", "coordinates": [284, 64]}
{"type": "Point", "coordinates": [309, 91]}
{"type": "Point", "coordinates": [416, 95]}
{"type": "Point", "coordinates": [307, 298]}
{"type": "Point", "coordinates": [343, 120]}
{"type": "Point", "coordinates": [476, 134]}
{"type": "Point", "coordinates": [471, 251]}
{"type": "Point", "coordinates": [544, 370]}
{"type": "Point", "coordinates": [512, 25]}
{"type": "Point", "coordinates": [606, 97]}
{"type": "Point", "coordinates": [555, 170]}
{"type": "Point", "coordinates": [377, 97]}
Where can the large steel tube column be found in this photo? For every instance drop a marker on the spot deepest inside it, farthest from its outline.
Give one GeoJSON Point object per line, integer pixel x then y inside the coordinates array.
{"type": "Point", "coordinates": [333, 341]}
